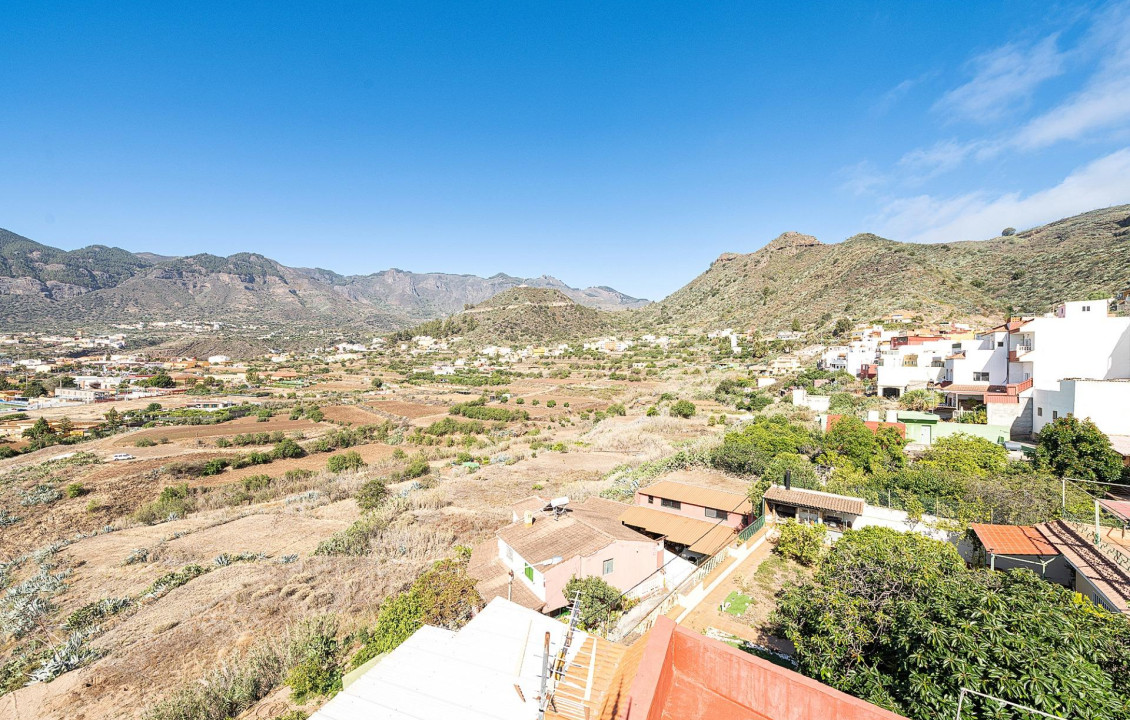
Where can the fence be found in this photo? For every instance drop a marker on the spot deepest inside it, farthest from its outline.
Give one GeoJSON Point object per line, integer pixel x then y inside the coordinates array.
{"type": "Point", "coordinates": [688, 585]}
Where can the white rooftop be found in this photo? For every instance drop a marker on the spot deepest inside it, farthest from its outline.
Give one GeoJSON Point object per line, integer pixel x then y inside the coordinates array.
{"type": "Point", "coordinates": [470, 674]}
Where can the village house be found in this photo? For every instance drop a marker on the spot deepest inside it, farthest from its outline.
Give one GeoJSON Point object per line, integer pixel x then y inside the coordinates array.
{"type": "Point", "coordinates": [696, 514]}
{"type": "Point", "coordinates": [548, 543]}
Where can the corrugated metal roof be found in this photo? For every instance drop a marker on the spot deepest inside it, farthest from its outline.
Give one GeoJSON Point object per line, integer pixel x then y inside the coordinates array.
{"type": "Point", "coordinates": [1012, 539]}
{"type": "Point", "coordinates": [703, 497]}
{"type": "Point", "coordinates": [814, 499]}
{"type": "Point", "coordinates": [699, 536]}
{"type": "Point", "coordinates": [472, 674]}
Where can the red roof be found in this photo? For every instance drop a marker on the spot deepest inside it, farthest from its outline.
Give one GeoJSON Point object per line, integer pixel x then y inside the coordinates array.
{"type": "Point", "coordinates": [1013, 540]}
{"type": "Point", "coordinates": [1121, 508]}
{"type": "Point", "coordinates": [681, 674]}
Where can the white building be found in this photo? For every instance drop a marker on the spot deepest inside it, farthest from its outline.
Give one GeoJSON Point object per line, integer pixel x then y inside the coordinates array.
{"type": "Point", "coordinates": [915, 364]}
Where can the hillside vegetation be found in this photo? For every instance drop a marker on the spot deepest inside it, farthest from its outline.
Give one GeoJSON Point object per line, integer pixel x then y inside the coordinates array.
{"type": "Point", "coordinates": [796, 277]}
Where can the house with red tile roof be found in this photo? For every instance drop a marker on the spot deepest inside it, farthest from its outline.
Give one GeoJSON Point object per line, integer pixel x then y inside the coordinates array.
{"type": "Point", "coordinates": [548, 543]}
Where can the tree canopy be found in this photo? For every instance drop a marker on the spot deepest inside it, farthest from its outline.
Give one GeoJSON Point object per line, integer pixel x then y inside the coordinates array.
{"type": "Point", "coordinates": [1076, 448]}
{"type": "Point", "coordinates": [897, 619]}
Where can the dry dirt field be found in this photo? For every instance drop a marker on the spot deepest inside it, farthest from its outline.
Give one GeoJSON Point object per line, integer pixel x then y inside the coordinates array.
{"type": "Point", "coordinates": [164, 642]}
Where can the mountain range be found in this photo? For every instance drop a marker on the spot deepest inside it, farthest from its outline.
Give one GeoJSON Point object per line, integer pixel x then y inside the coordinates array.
{"type": "Point", "coordinates": [40, 283]}
{"type": "Point", "coordinates": [793, 280]}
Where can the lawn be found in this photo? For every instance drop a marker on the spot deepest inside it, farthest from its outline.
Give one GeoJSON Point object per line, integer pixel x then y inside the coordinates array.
{"type": "Point", "coordinates": [736, 603]}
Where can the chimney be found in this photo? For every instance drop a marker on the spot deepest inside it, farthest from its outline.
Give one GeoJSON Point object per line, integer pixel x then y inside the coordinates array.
{"type": "Point", "coordinates": [528, 518]}
{"type": "Point", "coordinates": [788, 479]}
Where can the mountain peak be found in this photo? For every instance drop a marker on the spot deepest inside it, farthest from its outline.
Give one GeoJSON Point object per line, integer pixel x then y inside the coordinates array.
{"type": "Point", "coordinates": [792, 240]}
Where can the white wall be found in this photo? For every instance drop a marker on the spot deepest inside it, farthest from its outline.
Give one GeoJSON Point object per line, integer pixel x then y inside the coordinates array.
{"type": "Point", "coordinates": [517, 564]}
{"type": "Point", "coordinates": [1073, 347]}
{"type": "Point", "coordinates": [1106, 403]}
{"type": "Point", "coordinates": [900, 520]}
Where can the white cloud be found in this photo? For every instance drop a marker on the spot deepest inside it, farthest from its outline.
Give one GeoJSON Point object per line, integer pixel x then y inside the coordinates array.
{"type": "Point", "coordinates": [1104, 101]}
{"type": "Point", "coordinates": [925, 163]}
{"type": "Point", "coordinates": [1003, 80]}
{"type": "Point", "coordinates": [863, 178]}
{"type": "Point", "coordinates": [980, 215]}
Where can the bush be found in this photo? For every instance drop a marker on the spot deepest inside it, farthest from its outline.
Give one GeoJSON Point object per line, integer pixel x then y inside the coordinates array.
{"type": "Point", "coordinates": [316, 653]}
{"type": "Point", "coordinates": [226, 691]}
{"type": "Point", "coordinates": [144, 442]}
{"type": "Point", "coordinates": [173, 502]}
{"type": "Point", "coordinates": [598, 600]}
{"type": "Point", "coordinates": [683, 409]}
{"type": "Point", "coordinates": [372, 494]}
{"type": "Point", "coordinates": [803, 543]}
{"type": "Point", "coordinates": [349, 461]}
{"type": "Point", "coordinates": [287, 448]}
{"type": "Point", "coordinates": [75, 490]}
{"type": "Point", "coordinates": [443, 596]}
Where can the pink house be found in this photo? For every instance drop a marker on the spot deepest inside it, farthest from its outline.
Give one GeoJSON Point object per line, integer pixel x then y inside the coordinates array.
{"type": "Point", "coordinates": [530, 560]}
{"type": "Point", "coordinates": [694, 520]}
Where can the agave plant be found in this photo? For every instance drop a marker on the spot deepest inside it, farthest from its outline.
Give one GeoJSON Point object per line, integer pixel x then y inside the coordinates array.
{"type": "Point", "coordinates": [137, 555]}
{"type": "Point", "coordinates": [222, 560]}
{"type": "Point", "coordinates": [65, 657]}
{"type": "Point", "coordinates": [7, 519]}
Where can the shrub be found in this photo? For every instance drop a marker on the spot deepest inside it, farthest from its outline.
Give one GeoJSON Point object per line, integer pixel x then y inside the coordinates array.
{"type": "Point", "coordinates": [226, 691]}
{"type": "Point", "coordinates": [550, 403]}
{"type": "Point", "coordinates": [287, 448]}
{"type": "Point", "coordinates": [597, 600]}
{"type": "Point", "coordinates": [619, 409]}
{"type": "Point", "coordinates": [372, 494]}
{"type": "Point", "coordinates": [174, 501]}
{"type": "Point", "coordinates": [803, 543]}
{"type": "Point", "coordinates": [316, 653]}
{"type": "Point", "coordinates": [348, 461]}
{"type": "Point", "coordinates": [75, 490]}
{"type": "Point", "coordinates": [683, 409]}
{"type": "Point", "coordinates": [144, 442]}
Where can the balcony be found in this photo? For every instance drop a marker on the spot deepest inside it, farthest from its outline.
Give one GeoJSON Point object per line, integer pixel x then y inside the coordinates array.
{"type": "Point", "coordinates": [1019, 351]}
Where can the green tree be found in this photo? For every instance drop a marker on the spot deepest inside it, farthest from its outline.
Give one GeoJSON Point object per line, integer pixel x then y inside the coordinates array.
{"type": "Point", "coordinates": [1076, 448]}
{"type": "Point", "coordinates": [161, 380]}
{"type": "Point", "coordinates": [966, 455]}
{"type": "Point", "coordinates": [113, 419]}
{"type": "Point", "coordinates": [850, 438]}
{"type": "Point", "coordinates": [922, 400]}
{"type": "Point", "coordinates": [843, 327]}
{"type": "Point", "coordinates": [371, 495]}
{"type": "Point", "coordinates": [897, 619]}
{"type": "Point", "coordinates": [598, 600]}
{"type": "Point", "coordinates": [288, 448]}
{"type": "Point", "coordinates": [683, 409]}
{"type": "Point", "coordinates": [803, 543]}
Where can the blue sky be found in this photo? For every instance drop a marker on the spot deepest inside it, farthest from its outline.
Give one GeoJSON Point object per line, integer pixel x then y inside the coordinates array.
{"type": "Point", "coordinates": [622, 144]}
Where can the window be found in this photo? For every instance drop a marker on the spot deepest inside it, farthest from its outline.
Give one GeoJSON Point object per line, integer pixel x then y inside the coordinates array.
{"type": "Point", "coordinates": [1055, 414]}
{"type": "Point", "coordinates": [529, 573]}
{"type": "Point", "coordinates": [608, 566]}
{"type": "Point", "coordinates": [717, 514]}
{"type": "Point", "coordinates": [674, 504]}
{"type": "Point", "coordinates": [1039, 412]}
{"type": "Point", "coordinates": [650, 499]}
{"type": "Point", "coordinates": [1086, 308]}
{"type": "Point", "coordinates": [980, 377]}
{"type": "Point", "coordinates": [1000, 343]}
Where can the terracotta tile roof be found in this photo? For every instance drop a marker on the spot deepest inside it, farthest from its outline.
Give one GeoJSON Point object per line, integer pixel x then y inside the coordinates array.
{"type": "Point", "coordinates": [1102, 571]}
{"type": "Point", "coordinates": [585, 684]}
{"type": "Point", "coordinates": [815, 499]}
{"type": "Point", "coordinates": [1121, 508]}
{"type": "Point", "coordinates": [582, 530]}
{"type": "Point", "coordinates": [1012, 540]}
{"type": "Point", "coordinates": [699, 536]}
{"type": "Point", "coordinates": [964, 387]}
{"type": "Point", "coordinates": [703, 497]}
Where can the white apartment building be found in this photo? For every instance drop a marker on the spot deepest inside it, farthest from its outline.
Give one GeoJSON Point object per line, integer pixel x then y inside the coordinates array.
{"type": "Point", "coordinates": [1079, 363]}
{"type": "Point", "coordinates": [1029, 372]}
{"type": "Point", "coordinates": [914, 365]}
